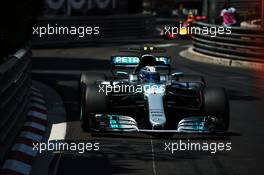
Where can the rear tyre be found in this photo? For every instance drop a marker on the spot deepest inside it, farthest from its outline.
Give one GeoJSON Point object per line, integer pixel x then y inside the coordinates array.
{"type": "Point", "coordinates": [91, 77]}
{"type": "Point", "coordinates": [216, 105]}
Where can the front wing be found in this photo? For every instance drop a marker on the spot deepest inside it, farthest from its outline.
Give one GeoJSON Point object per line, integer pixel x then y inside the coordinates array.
{"type": "Point", "coordinates": [119, 123]}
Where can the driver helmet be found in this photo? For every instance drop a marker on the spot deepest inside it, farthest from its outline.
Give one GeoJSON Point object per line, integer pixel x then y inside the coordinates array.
{"type": "Point", "coordinates": [149, 74]}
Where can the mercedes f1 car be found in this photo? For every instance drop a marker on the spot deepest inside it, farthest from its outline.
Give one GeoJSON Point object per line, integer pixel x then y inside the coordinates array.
{"type": "Point", "coordinates": [143, 95]}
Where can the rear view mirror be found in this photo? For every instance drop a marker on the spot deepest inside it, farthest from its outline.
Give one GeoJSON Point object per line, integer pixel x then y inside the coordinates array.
{"type": "Point", "coordinates": [121, 74]}
{"type": "Point", "coordinates": [177, 74]}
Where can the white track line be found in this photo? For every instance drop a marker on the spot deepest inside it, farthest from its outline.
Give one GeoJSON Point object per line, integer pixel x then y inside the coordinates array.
{"type": "Point", "coordinates": [58, 131]}
{"type": "Point", "coordinates": [166, 45]}
{"type": "Point", "coordinates": [153, 158]}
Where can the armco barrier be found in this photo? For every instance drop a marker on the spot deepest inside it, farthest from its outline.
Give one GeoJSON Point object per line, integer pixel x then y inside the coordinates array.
{"type": "Point", "coordinates": [111, 27]}
{"type": "Point", "coordinates": [15, 82]}
{"type": "Point", "coordinates": [242, 44]}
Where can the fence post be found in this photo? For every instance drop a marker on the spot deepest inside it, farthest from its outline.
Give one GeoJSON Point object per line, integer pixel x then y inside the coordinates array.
{"type": "Point", "coordinates": [213, 11]}
{"type": "Point", "coordinates": [205, 8]}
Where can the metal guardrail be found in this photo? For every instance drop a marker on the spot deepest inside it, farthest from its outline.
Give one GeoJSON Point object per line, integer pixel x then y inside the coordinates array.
{"type": "Point", "coordinates": [111, 27]}
{"type": "Point", "coordinates": [15, 83]}
{"type": "Point", "coordinates": [242, 44]}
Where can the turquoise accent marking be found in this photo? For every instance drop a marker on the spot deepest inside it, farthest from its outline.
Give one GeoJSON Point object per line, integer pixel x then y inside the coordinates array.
{"type": "Point", "coordinates": [125, 60]}
{"type": "Point", "coordinates": [200, 125]}
{"type": "Point", "coordinates": [165, 60]}
{"type": "Point", "coordinates": [114, 121]}
{"type": "Point", "coordinates": [135, 60]}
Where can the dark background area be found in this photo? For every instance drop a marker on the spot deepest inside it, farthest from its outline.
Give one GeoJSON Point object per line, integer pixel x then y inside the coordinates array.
{"type": "Point", "coordinates": [17, 19]}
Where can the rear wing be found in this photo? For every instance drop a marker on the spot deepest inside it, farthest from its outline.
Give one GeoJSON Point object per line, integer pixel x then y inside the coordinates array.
{"type": "Point", "coordinates": [143, 50]}
{"type": "Point", "coordinates": [127, 64]}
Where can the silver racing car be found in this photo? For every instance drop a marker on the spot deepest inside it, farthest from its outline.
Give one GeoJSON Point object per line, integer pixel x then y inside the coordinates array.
{"type": "Point", "coordinates": [144, 95]}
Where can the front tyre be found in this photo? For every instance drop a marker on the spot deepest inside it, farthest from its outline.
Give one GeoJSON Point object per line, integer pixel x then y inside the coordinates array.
{"type": "Point", "coordinates": [90, 100]}
{"type": "Point", "coordinates": [216, 105]}
{"type": "Point", "coordinates": [94, 102]}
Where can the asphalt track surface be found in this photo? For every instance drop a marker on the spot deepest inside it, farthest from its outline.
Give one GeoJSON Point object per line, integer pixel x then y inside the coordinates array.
{"type": "Point", "coordinates": [143, 154]}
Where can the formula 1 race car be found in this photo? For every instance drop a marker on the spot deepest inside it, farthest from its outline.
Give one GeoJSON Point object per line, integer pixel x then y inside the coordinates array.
{"type": "Point", "coordinates": [143, 95]}
{"type": "Point", "coordinates": [183, 26]}
{"type": "Point", "coordinates": [181, 33]}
